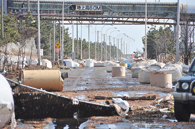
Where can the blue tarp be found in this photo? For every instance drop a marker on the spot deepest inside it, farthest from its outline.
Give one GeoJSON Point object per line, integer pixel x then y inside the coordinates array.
{"type": "Point", "coordinates": [64, 63]}
{"type": "Point", "coordinates": [128, 64]}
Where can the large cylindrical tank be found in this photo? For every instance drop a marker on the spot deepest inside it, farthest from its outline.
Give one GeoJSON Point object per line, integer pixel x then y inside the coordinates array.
{"type": "Point", "coordinates": [6, 102]}
{"type": "Point", "coordinates": [49, 80]}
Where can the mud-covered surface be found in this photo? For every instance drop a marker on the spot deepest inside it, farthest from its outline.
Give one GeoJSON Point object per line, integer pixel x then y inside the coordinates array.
{"type": "Point", "coordinates": [84, 84]}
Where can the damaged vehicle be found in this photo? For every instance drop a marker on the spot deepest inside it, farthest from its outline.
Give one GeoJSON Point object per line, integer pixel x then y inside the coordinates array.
{"type": "Point", "coordinates": [184, 94]}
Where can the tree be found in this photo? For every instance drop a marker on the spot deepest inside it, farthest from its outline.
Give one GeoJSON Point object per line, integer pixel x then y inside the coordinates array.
{"type": "Point", "coordinates": [11, 29]}
{"type": "Point", "coordinates": [187, 39]}
{"type": "Point", "coordinates": [159, 41]}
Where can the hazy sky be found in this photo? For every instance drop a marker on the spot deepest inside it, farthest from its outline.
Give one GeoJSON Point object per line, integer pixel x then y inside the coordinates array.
{"type": "Point", "coordinates": [134, 31]}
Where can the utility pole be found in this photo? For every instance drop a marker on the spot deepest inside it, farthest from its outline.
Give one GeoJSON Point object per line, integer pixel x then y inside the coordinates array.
{"type": "Point", "coordinates": [28, 4]}
{"type": "Point", "coordinates": [146, 29]}
{"type": "Point", "coordinates": [39, 39]}
{"type": "Point", "coordinates": [73, 54]}
{"type": "Point", "coordinates": [89, 39]}
{"type": "Point", "coordinates": [110, 46]}
{"type": "Point", "coordinates": [2, 29]}
{"type": "Point", "coordinates": [177, 40]}
{"type": "Point", "coordinates": [98, 43]}
{"type": "Point", "coordinates": [117, 49]}
{"type": "Point", "coordinates": [54, 36]}
{"type": "Point", "coordinates": [77, 42]}
{"type": "Point", "coordinates": [50, 45]}
{"type": "Point", "coordinates": [95, 42]}
{"type": "Point", "coordinates": [62, 45]}
{"type": "Point", "coordinates": [121, 47]}
{"type": "Point", "coordinates": [59, 55]}
{"type": "Point", "coordinates": [81, 43]}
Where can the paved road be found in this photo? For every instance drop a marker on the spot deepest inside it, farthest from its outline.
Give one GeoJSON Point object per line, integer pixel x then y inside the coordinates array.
{"type": "Point", "coordinates": [96, 78]}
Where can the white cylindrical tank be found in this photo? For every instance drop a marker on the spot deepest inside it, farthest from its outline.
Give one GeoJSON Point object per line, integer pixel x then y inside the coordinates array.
{"type": "Point", "coordinates": [6, 102]}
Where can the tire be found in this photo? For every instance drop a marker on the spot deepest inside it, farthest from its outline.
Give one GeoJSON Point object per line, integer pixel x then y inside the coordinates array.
{"type": "Point", "coordinates": [182, 112]}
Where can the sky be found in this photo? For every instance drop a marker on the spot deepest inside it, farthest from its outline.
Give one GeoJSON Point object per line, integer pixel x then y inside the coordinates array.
{"type": "Point", "coordinates": [134, 31]}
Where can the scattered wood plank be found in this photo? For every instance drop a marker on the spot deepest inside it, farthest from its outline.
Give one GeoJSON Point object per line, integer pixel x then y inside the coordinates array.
{"type": "Point", "coordinates": [153, 97]}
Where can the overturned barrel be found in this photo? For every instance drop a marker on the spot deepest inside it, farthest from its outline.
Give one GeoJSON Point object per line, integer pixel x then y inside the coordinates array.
{"type": "Point", "coordinates": [49, 80]}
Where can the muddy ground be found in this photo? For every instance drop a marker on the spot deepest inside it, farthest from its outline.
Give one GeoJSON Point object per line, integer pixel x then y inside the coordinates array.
{"type": "Point", "coordinates": [87, 83]}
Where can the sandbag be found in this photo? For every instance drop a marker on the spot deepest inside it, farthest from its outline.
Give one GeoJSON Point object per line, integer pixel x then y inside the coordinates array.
{"type": "Point", "coordinates": [47, 63]}
{"type": "Point", "coordinates": [110, 65]}
{"type": "Point", "coordinates": [135, 71]}
{"type": "Point", "coordinates": [176, 74]}
{"type": "Point", "coordinates": [144, 75]}
{"type": "Point", "coordinates": [106, 63]}
{"type": "Point", "coordinates": [6, 102]}
{"type": "Point", "coordinates": [151, 61]}
{"type": "Point", "coordinates": [157, 66]}
{"type": "Point", "coordinates": [89, 63]}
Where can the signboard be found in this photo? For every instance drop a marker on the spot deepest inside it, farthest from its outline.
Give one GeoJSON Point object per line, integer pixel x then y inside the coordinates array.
{"type": "Point", "coordinates": [57, 50]}
{"type": "Point", "coordinates": [88, 8]}
{"type": "Point", "coordinates": [57, 44]}
{"type": "Point", "coordinates": [41, 52]}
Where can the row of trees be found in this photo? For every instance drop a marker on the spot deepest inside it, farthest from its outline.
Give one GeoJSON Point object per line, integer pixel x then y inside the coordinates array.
{"type": "Point", "coordinates": [17, 31]}
{"type": "Point", "coordinates": [162, 41]}
{"type": "Point", "coordinates": [159, 41]}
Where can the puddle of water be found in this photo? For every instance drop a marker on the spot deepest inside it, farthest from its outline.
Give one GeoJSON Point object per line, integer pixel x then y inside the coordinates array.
{"type": "Point", "coordinates": [81, 97]}
{"type": "Point", "coordinates": [67, 123]}
{"type": "Point", "coordinates": [81, 88]}
{"type": "Point", "coordinates": [135, 93]}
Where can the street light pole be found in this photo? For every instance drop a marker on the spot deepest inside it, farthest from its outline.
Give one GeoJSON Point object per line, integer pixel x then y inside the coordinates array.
{"type": "Point", "coordinates": [177, 40]}
{"type": "Point", "coordinates": [2, 25]}
{"type": "Point", "coordinates": [39, 55]}
{"type": "Point", "coordinates": [81, 43]}
{"type": "Point", "coordinates": [62, 45]}
{"type": "Point", "coordinates": [95, 42]}
{"type": "Point", "coordinates": [98, 41]}
{"type": "Point", "coordinates": [146, 29]}
{"type": "Point", "coordinates": [89, 39]}
{"type": "Point", "coordinates": [101, 41]}
{"type": "Point", "coordinates": [110, 40]}
{"type": "Point", "coordinates": [54, 29]}
{"type": "Point", "coordinates": [106, 38]}
{"type": "Point", "coordinates": [50, 45]}
{"type": "Point", "coordinates": [73, 54]}
{"type": "Point", "coordinates": [118, 44]}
